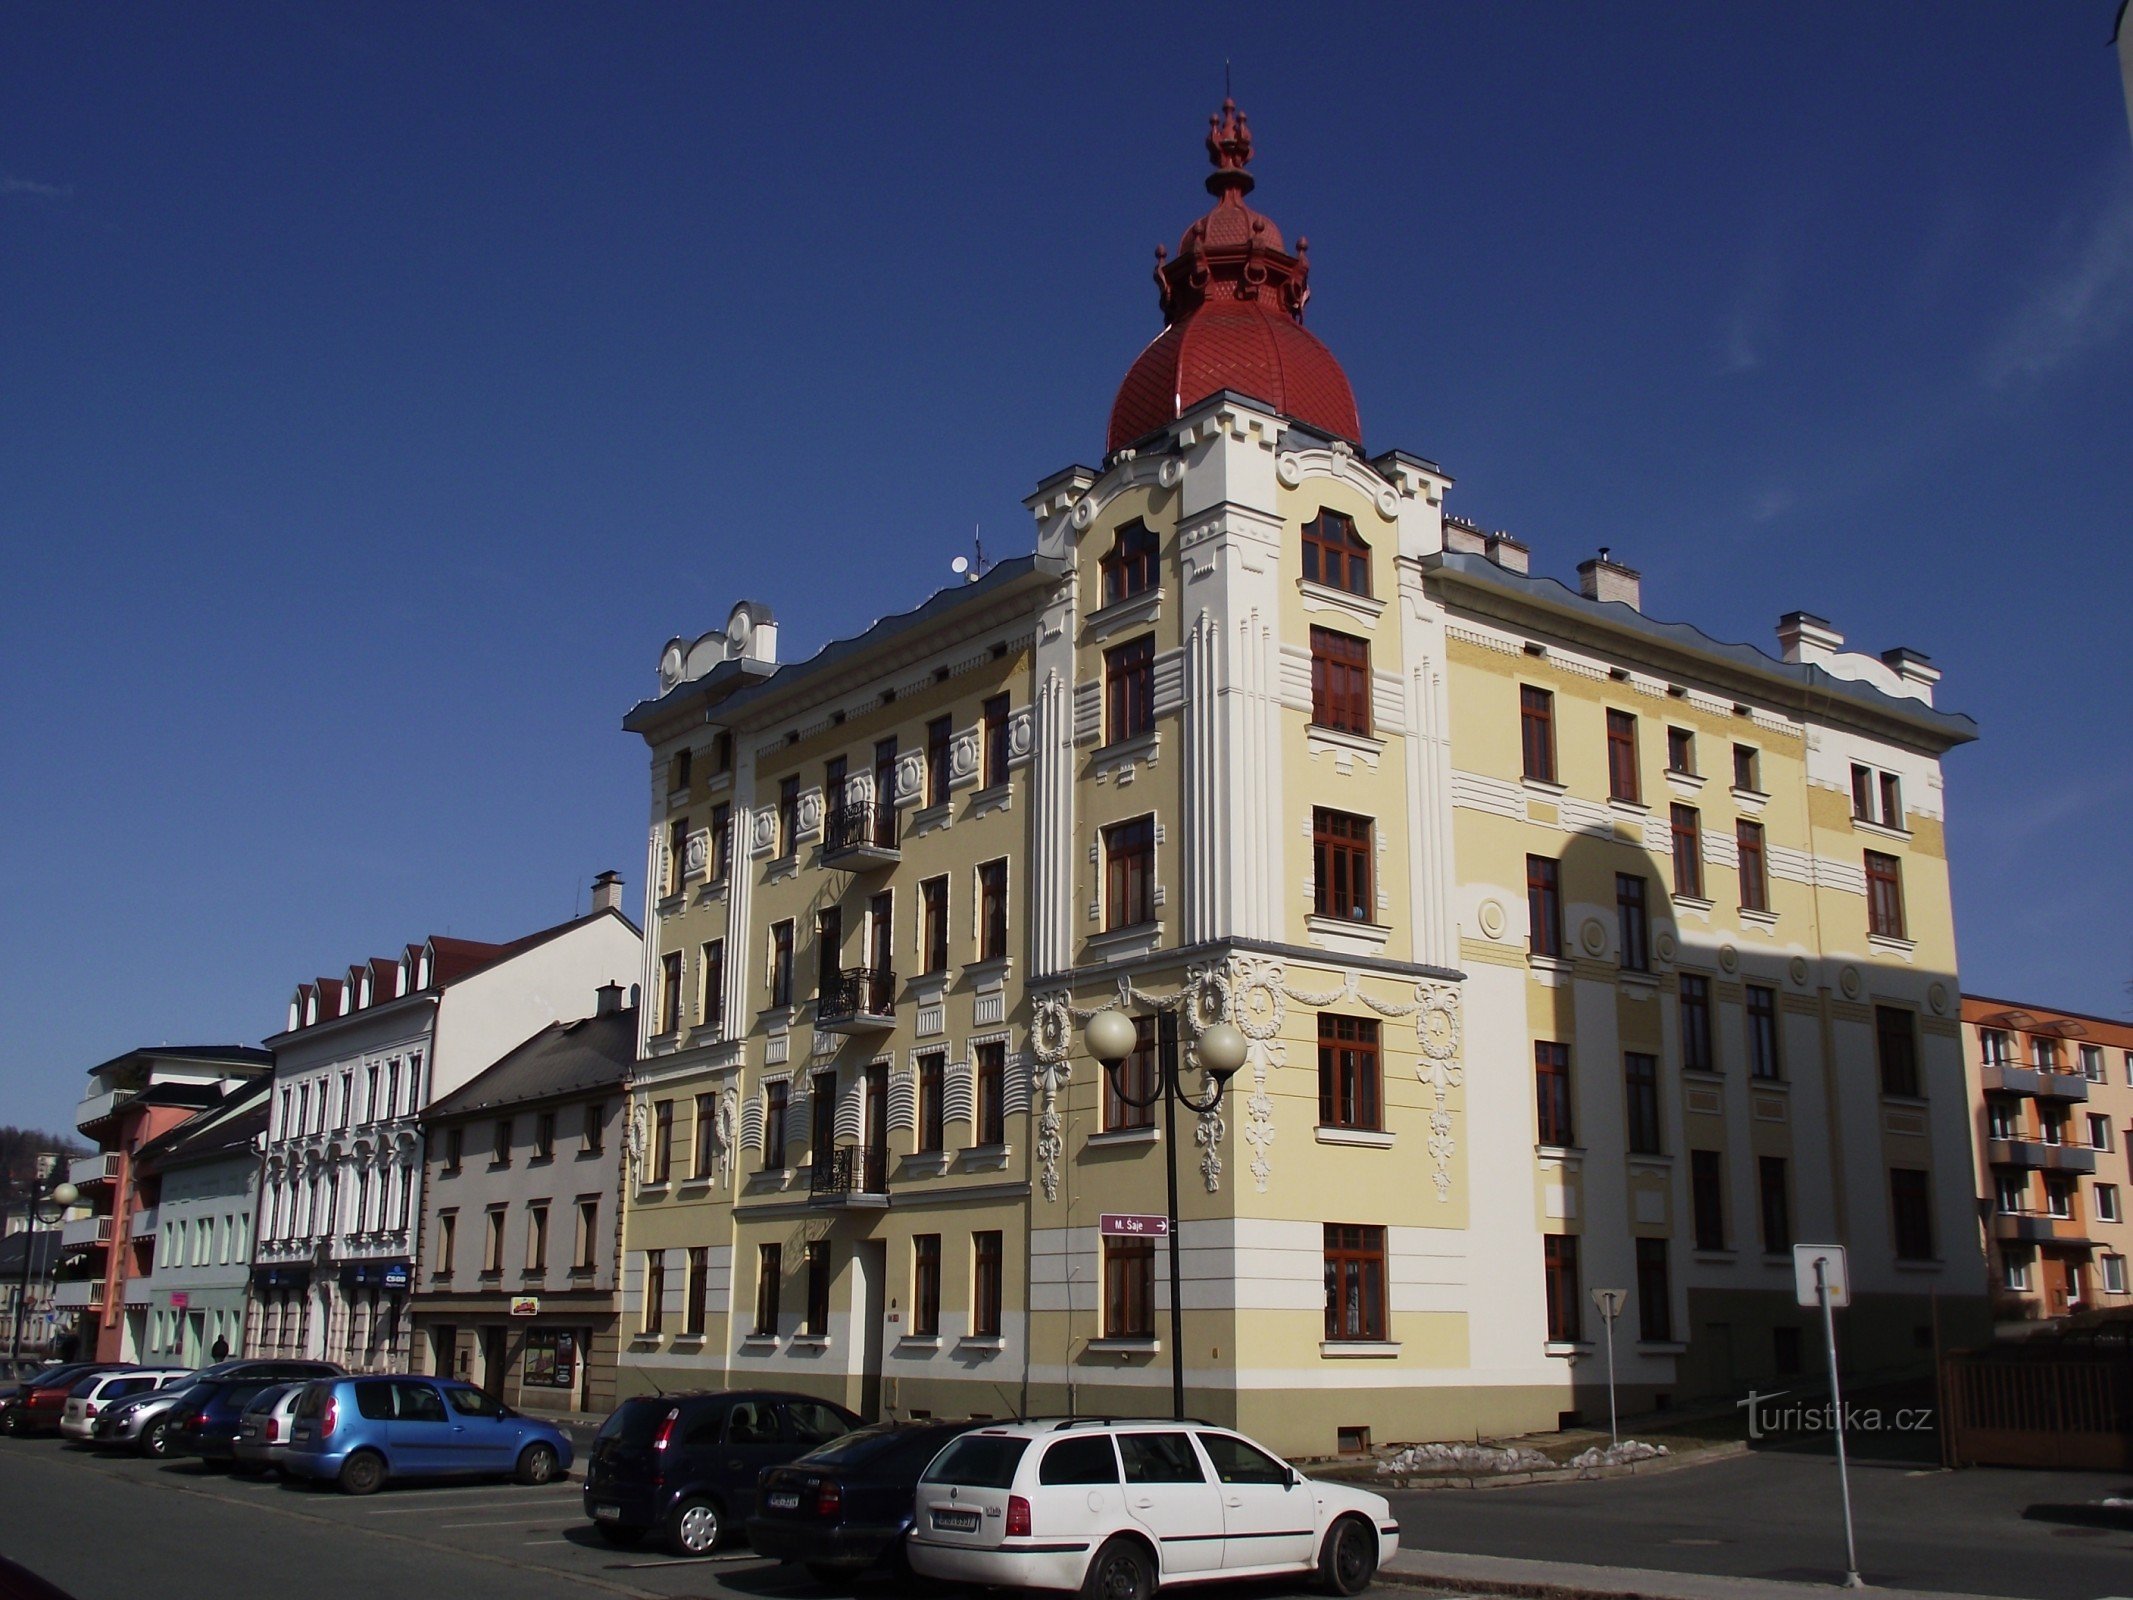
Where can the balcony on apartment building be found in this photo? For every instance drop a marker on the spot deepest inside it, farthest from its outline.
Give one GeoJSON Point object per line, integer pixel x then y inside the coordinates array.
{"type": "Point", "coordinates": [78, 1294]}
{"type": "Point", "coordinates": [85, 1171]}
{"type": "Point", "coordinates": [860, 834]}
{"type": "Point", "coordinates": [2044, 1083]}
{"type": "Point", "coordinates": [2037, 1227]}
{"type": "Point", "coordinates": [142, 1224]}
{"type": "Point", "coordinates": [854, 1175]}
{"type": "Point", "coordinates": [857, 1000]}
{"type": "Point", "coordinates": [82, 1231]}
{"type": "Point", "coordinates": [2040, 1155]}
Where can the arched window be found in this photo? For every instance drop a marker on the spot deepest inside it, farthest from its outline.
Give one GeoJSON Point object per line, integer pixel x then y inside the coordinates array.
{"type": "Point", "coordinates": [1129, 566]}
{"type": "Point", "coordinates": [1334, 553]}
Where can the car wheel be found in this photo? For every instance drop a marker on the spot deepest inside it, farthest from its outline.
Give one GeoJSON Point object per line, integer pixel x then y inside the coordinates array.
{"type": "Point", "coordinates": [694, 1527]}
{"type": "Point", "coordinates": [1120, 1572]}
{"type": "Point", "coordinates": [1349, 1558]}
{"type": "Point", "coordinates": [155, 1440]}
{"type": "Point", "coordinates": [536, 1463]}
{"type": "Point", "coordinates": [620, 1537]}
{"type": "Point", "coordinates": [362, 1473]}
{"type": "Point", "coordinates": [11, 1425]}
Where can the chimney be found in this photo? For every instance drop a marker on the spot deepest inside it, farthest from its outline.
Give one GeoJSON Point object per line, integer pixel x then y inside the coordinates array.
{"type": "Point", "coordinates": [1604, 578]}
{"type": "Point", "coordinates": [1464, 538]}
{"type": "Point", "coordinates": [607, 893]}
{"type": "Point", "coordinates": [1509, 553]}
{"type": "Point", "coordinates": [1805, 637]}
{"type": "Point", "coordinates": [610, 1000]}
{"type": "Point", "coordinates": [1914, 669]}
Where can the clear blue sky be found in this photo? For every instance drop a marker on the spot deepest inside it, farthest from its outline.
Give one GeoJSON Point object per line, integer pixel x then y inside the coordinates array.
{"type": "Point", "coordinates": [380, 386]}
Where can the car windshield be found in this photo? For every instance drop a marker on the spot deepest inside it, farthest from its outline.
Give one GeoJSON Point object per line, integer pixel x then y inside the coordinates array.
{"type": "Point", "coordinates": [979, 1461]}
{"type": "Point", "coordinates": [268, 1398]}
{"type": "Point", "coordinates": [884, 1447]}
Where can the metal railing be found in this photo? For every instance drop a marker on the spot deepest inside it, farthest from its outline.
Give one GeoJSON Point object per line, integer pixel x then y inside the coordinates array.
{"type": "Point", "coordinates": [858, 825]}
{"type": "Point", "coordinates": [850, 1169]}
{"type": "Point", "coordinates": [851, 993]}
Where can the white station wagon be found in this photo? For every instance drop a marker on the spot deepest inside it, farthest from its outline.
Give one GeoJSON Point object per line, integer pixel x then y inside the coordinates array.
{"type": "Point", "coordinates": [1115, 1510]}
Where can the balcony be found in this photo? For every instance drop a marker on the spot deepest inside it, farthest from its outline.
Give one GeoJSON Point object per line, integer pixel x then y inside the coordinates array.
{"type": "Point", "coordinates": [84, 1171]}
{"type": "Point", "coordinates": [79, 1294]}
{"type": "Point", "coordinates": [84, 1231]}
{"type": "Point", "coordinates": [142, 1224]}
{"type": "Point", "coordinates": [140, 1292]}
{"type": "Point", "coordinates": [2035, 1227]}
{"type": "Point", "coordinates": [861, 835]}
{"type": "Point", "coordinates": [2062, 1086]}
{"type": "Point", "coordinates": [857, 1000]}
{"type": "Point", "coordinates": [852, 1176]}
{"type": "Point", "coordinates": [94, 1108]}
{"type": "Point", "coordinates": [2028, 1154]}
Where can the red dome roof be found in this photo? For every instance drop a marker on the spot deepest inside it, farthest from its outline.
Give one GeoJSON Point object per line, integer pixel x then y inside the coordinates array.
{"type": "Point", "coordinates": [1233, 316]}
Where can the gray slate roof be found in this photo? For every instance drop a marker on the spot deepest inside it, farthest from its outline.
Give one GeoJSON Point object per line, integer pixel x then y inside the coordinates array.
{"type": "Point", "coordinates": [564, 1058]}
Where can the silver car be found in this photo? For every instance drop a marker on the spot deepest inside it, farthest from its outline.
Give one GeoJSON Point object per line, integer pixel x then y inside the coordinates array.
{"type": "Point", "coordinates": [263, 1430]}
{"type": "Point", "coordinates": [145, 1423]}
{"type": "Point", "coordinates": [92, 1394]}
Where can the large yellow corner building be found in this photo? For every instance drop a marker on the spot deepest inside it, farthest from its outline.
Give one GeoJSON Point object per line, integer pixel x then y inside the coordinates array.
{"type": "Point", "coordinates": [1574, 950]}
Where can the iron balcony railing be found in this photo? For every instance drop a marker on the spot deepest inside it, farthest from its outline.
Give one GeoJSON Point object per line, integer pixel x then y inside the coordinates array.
{"type": "Point", "coordinates": [857, 994]}
{"type": "Point", "coordinates": [851, 1169]}
{"type": "Point", "coordinates": [860, 827]}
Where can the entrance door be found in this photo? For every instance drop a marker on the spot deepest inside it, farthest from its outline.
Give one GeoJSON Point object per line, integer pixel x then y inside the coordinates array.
{"type": "Point", "coordinates": [494, 1360]}
{"type": "Point", "coordinates": [870, 1276]}
{"type": "Point", "coordinates": [444, 1350]}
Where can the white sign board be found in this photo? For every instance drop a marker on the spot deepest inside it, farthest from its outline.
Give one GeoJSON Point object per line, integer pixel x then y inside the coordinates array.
{"type": "Point", "coordinates": [1610, 1302]}
{"type": "Point", "coordinates": [1836, 1275]}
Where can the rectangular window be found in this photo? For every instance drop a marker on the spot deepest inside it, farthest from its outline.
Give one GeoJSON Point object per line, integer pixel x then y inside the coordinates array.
{"type": "Point", "coordinates": [1129, 873]}
{"type": "Point", "coordinates": [696, 1291]}
{"type": "Point", "coordinates": [1754, 866]}
{"type": "Point", "coordinates": [1764, 1061]}
{"type": "Point", "coordinates": [1355, 1282]}
{"type": "Point", "coordinates": [1129, 1288]}
{"type": "Point", "coordinates": [1133, 1079]}
{"type": "Point", "coordinates": [1622, 775]}
{"type": "Point", "coordinates": [677, 853]}
{"type": "Point", "coordinates": [2001, 1118]}
{"type": "Point", "coordinates": [2099, 1132]}
{"type": "Point", "coordinates": [2058, 1195]}
{"type": "Point", "coordinates": [1911, 1209]}
{"type": "Point", "coordinates": [1341, 865]}
{"type": "Point", "coordinates": [1747, 769]}
{"type": "Point", "coordinates": [492, 1243]}
{"type": "Point", "coordinates": [447, 1241]}
{"type": "Point", "coordinates": [500, 1152]}
{"type": "Point", "coordinates": [585, 1252]}
{"type": "Point", "coordinates": [678, 771]}
{"type": "Point", "coordinates": [788, 817]}
{"type": "Point", "coordinates": [1640, 1077]}
{"type": "Point", "coordinates": [455, 1144]}
{"type": "Point", "coordinates": [990, 1064]}
{"type": "Point", "coordinates": [537, 1236]}
{"type": "Point", "coordinates": [1862, 792]}
{"type": "Point", "coordinates": [706, 1136]}
{"type": "Point", "coordinates": [1544, 905]}
{"type": "Point", "coordinates": [2114, 1274]}
{"type": "Point", "coordinates": [721, 842]}
{"type": "Point", "coordinates": [940, 736]}
{"type": "Point", "coordinates": [817, 1325]}
{"type": "Point", "coordinates": [769, 1273]}
{"type": "Point", "coordinates": [1896, 1047]}
{"type": "Point", "coordinates": [655, 1290]}
{"type": "Point", "coordinates": [1655, 1299]}
{"type": "Point", "coordinates": [1340, 681]}
{"type": "Point", "coordinates": [1891, 800]}
{"type": "Point", "coordinates": [1334, 554]}
{"type": "Point", "coordinates": [1129, 690]}
{"type": "Point", "coordinates": [993, 718]}
{"type": "Point", "coordinates": [1777, 1205]}
{"type": "Point", "coordinates": [711, 984]}
{"type": "Point", "coordinates": [1348, 1073]}
{"type": "Point", "coordinates": [988, 1261]}
{"type": "Point", "coordinates": [662, 1141]}
{"type": "Point", "coordinates": [1707, 1197]}
{"type": "Point", "coordinates": [1632, 923]}
{"type": "Point", "coordinates": [932, 1134]}
{"type": "Point", "coordinates": [1681, 751]}
{"type": "Point", "coordinates": [544, 1136]}
{"type": "Point", "coordinates": [1551, 1094]}
{"type": "Point", "coordinates": [1536, 726]}
{"type": "Point", "coordinates": [1688, 852]}
{"type": "Point", "coordinates": [933, 924]}
{"type": "Point", "coordinates": [1566, 1310]}
{"type": "Point", "coordinates": [1999, 1051]}
{"type": "Point", "coordinates": [2092, 1062]}
{"type": "Point", "coordinates": [829, 949]}
{"type": "Point", "coordinates": [992, 911]}
{"type": "Point", "coordinates": [1695, 1011]}
{"type": "Point", "coordinates": [780, 964]}
{"type": "Point", "coordinates": [777, 1099]}
{"type": "Point", "coordinates": [2017, 1275]}
{"type": "Point", "coordinates": [1884, 895]}
{"type": "Point", "coordinates": [1129, 567]}
{"type": "Point", "coordinates": [670, 991]}
{"type": "Point", "coordinates": [926, 1285]}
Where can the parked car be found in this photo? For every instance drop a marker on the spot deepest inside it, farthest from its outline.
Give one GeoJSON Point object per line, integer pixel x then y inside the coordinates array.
{"type": "Point", "coordinates": [45, 1402]}
{"type": "Point", "coordinates": [846, 1507]}
{"type": "Point", "coordinates": [1119, 1508]}
{"type": "Point", "coordinates": [274, 1369]}
{"type": "Point", "coordinates": [686, 1464]}
{"type": "Point", "coordinates": [13, 1419]}
{"type": "Point", "coordinates": [89, 1397]}
{"type": "Point", "coordinates": [144, 1423]}
{"type": "Point", "coordinates": [263, 1431]}
{"type": "Point", "coordinates": [206, 1424]}
{"type": "Point", "coordinates": [358, 1432]}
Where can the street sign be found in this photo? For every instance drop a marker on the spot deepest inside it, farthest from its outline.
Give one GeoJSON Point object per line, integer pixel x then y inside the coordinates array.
{"type": "Point", "coordinates": [1835, 1274]}
{"type": "Point", "coordinates": [1610, 1302]}
{"type": "Point", "coordinates": [179, 1300]}
{"type": "Point", "coordinates": [1121, 1225]}
{"type": "Point", "coordinates": [525, 1305]}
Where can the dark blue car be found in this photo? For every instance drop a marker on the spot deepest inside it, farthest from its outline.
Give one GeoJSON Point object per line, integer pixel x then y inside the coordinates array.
{"type": "Point", "coordinates": [208, 1415]}
{"type": "Point", "coordinates": [358, 1432]}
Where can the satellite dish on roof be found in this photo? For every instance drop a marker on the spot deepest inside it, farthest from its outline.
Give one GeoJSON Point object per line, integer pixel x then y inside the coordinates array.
{"type": "Point", "coordinates": [959, 566]}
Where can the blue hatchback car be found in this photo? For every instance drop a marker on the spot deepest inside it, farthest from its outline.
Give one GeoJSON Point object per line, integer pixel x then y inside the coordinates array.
{"type": "Point", "coordinates": [358, 1432]}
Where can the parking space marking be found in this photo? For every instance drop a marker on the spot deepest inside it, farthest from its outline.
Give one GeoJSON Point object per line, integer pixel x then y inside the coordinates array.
{"type": "Point", "coordinates": [684, 1561]}
{"type": "Point", "coordinates": [501, 1522]}
{"type": "Point", "coordinates": [430, 1510]}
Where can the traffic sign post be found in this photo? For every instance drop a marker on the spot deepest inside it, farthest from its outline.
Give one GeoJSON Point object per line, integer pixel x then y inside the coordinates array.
{"type": "Point", "coordinates": [1822, 1277]}
{"type": "Point", "coordinates": [1610, 1302]}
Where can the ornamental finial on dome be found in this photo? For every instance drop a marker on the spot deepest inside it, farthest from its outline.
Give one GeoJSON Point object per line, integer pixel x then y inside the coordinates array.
{"type": "Point", "coordinates": [1229, 147]}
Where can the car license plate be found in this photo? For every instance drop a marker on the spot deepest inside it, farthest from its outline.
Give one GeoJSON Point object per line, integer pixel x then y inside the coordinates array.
{"type": "Point", "coordinates": [789, 1501]}
{"type": "Point", "coordinates": [607, 1513]}
{"type": "Point", "coordinates": [956, 1521]}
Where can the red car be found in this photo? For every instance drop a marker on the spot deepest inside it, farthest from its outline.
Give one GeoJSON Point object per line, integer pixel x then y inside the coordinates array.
{"type": "Point", "coordinates": [43, 1403]}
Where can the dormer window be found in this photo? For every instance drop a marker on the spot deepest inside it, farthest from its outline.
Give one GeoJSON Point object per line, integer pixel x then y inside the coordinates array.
{"type": "Point", "coordinates": [1129, 566]}
{"type": "Point", "coordinates": [1335, 555]}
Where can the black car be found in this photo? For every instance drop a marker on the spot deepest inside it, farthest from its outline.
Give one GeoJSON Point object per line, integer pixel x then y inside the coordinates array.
{"type": "Point", "coordinates": [846, 1507]}
{"type": "Point", "coordinates": [273, 1369]}
{"type": "Point", "coordinates": [686, 1465]}
{"type": "Point", "coordinates": [209, 1416]}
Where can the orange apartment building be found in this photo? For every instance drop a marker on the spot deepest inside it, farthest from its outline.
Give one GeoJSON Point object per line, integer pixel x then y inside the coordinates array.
{"type": "Point", "coordinates": [2053, 1095]}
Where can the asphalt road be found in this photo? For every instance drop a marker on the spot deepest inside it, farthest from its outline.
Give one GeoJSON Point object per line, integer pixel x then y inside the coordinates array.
{"type": "Point", "coordinates": [1776, 1514]}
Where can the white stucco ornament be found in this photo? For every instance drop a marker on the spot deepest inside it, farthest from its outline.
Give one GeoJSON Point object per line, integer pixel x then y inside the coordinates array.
{"type": "Point", "coordinates": [1663, 945]}
{"type": "Point", "coordinates": [639, 1133]}
{"type": "Point", "coordinates": [808, 813]}
{"type": "Point", "coordinates": [1051, 1037]}
{"type": "Point", "coordinates": [1289, 470]}
{"type": "Point", "coordinates": [1593, 936]}
{"type": "Point", "coordinates": [1848, 980]}
{"type": "Point", "coordinates": [1729, 958]}
{"type": "Point", "coordinates": [1798, 969]}
{"type": "Point", "coordinates": [1388, 505]}
{"type": "Point", "coordinates": [1937, 997]}
{"type": "Point", "coordinates": [1490, 914]}
{"type": "Point", "coordinates": [1171, 473]}
{"type": "Point", "coordinates": [1084, 513]}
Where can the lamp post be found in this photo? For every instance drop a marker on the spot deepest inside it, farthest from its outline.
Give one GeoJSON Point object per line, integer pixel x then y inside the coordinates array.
{"type": "Point", "coordinates": [1111, 1037]}
{"type": "Point", "coordinates": [46, 1203]}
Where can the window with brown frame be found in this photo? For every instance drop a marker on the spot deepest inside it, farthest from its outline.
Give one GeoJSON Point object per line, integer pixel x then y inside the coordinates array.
{"type": "Point", "coordinates": [447, 1242]}
{"type": "Point", "coordinates": [1633, 922]}
{"type": "Point", "coordinates": [780, 964]}
{"type": "Point", "coordinates": [925, 1285]}
{"type": "Point", "coordinates": [1777, 1205]}
{"type": "Point", "coordinates": [662, 1141]}
{"type": "Point", "coordinates": [1355, 1282]}
{"type": "Point", "coordinates": [1754, 866]}
{"type": "Point", "coordinates": [932, 1113]}
{"type": "Point", "coordinates": [696, 1291]}
{"type": "Point", "coordinates": [1129, 1288]}
{"type": "Point", "coordinates": [1687, 832]}
{"type": "Point", "coordinates": [1896, 1048]}
{"type": "Point", "coordinates": [1544, 906]}
{"type": "Point", "coordinates": [1349, 1082]}
{"type": "Point", "coordinates": [1640, 1083]}
{"type": "Point", "coordinates": [1129, 690]}
{"type": "Point", "coordinates": [544, 1136]}
{"type": "Point", "coordinates": [1129, 567]}
{"type": "Point", "coordinates": [992, 718]}
{"type": "Point", "coordinates": [711, 1005]}
{"type": "Point", "coordinates": [777, 1103]}
{"type": "Point", "coordinates": [1747, 769]}
{"type": "Point", "coordinates": [492, 1244]}
{"type": "Point", "coordinates": [992, 910]}
{"type": "Point", "coordinates": [1911, 1210]}
{"type": "Point", "coordinates": [1559, 1263]}
{"type": "Point", "coordinates": [940, 738]}
{"type": "Point", "coordinates": [1622, 775]}
{"type": "Point", "coordinates": [1135, 1076]}
{"type": "Point", "coordinates": [670, 991]}
{"type": "Point", "coordinates": [933, 923]}
{"type": "Point", "coordinates": [989, 1064]}
{"type": "Point", "coordinates": [788, 818]}
{"type": "Point", "coordinates": [1884, 896]}
{"type": "Point", "coordinates": [1340, 681]}
{"type": "Point", "coordinates": [885, 792]}
{"type": "Point", "coordinates": [721, 752]}
{"type": "Point", "coordinates": [1335, 555]}
{"type": "Point", "coordinates": [1655, 1297]}
{"type": "Point", "coordinates": [1556, 1127]}
{"type": "Point", "coordinates": [678, 771]}
{"type": "Point", "coordinates": [585, 1251]}
{"type": "Point", "coordinates": [706, 1135]}
{"type": "Point", "coordinates": [1681, 751]}
{"type": "Point", "coordinates": [1341, 865]}
{"type": "Point", "coordinates": [987, 1279]}
{"type": "Point", "coordinates": [769, 1276]}
{"type": "Point", "coordinates": [1129, 873]}
{"type": "Point", "coordinates": [655, 1291]}
{"type": "Point", "coordinates": [677, 853]}
{"type": "Point", "coordinates": [1695, 1018]}
{"type": "Point", "coordinates": [817, 1258]}
{"type": "Point", "coordinates": [721, 863]}
{"type": "Point", "coordinates": [1761, 1005]}
{"type": "Point", "coordinates": [1707, 1199]}
{"type": "Point", "coordinates": [1536, 731]}
{"type": "Point", "coordinates": [829, 948]}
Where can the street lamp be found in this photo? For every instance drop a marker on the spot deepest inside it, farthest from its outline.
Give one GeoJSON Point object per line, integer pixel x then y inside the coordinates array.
{"type": "Point", "coordinates": [1111, 1037]}
{"type": "Point", "coordinates": [44, 1205]}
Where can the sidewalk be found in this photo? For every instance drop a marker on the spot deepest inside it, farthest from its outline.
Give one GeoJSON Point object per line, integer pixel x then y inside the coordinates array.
{"type": "Point", "coordinates": [1566, 1580]}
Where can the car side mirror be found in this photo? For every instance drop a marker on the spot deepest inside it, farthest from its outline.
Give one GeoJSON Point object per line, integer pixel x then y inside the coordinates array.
{"type": "Point", "coordinates": [1295, 1479]}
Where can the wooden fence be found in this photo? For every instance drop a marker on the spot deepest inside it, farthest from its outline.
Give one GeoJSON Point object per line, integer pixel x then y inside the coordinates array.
{"type": "Point", "coordinates": [2016, 1407]}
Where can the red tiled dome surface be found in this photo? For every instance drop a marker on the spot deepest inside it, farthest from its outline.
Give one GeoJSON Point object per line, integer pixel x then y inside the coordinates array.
{"type": "Point", "coordinates": [1233, 317]}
